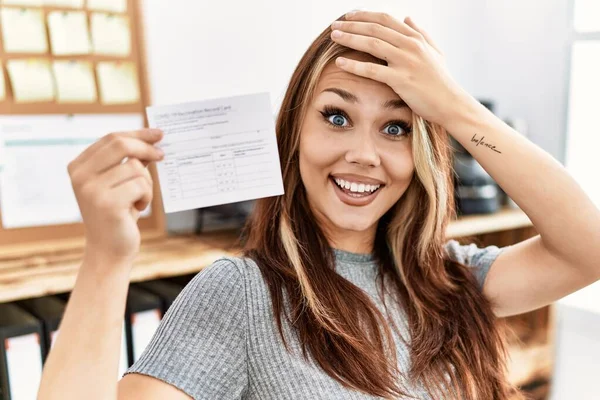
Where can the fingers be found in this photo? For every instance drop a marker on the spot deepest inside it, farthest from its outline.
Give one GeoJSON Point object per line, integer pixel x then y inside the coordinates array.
{"type": "Point", "coordinates": [95, 199]}
{"type": "Point", "coordinates": [119, 147]}
{"type": "Point", "coordinates": [369, 70]}
{"type": "Point", "coordinates": [367, 44]}
{"type": "Point", "coordinates": [131, 169]}
{"type": "Point", "coordinates": [384, 27]}
{"type": "Point", "coordinates": [383, 19]}
{"type": "Point", "coordinates": [427, 37]}
{"type": "Point", "coordinates": [98, 189]}
{"type": "Point", "coordinates": [135, 191]}
{"type": "Point", "coordinates": [115, 149]}
{"type": "Point", "coordinates": [147, 135]}
{"type": "Point", "coordinates": [369, 29]}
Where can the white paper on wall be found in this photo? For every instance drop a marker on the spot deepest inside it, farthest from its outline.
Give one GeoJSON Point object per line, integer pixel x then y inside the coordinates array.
{"type": "Point", "coordinates": [31, 80]}
{"type": "Point", "coordinates": [35, 187]}
{"type": "Point", "coordinates": [143, 326]}
{"type": "Point", "coordinates": [116, 6]}
{"type": "Point", "coordinates": [23, 30]}
{"type": "Point", "coordinates": [118, 82]}
{"type": "Point", "coordinates": [69, 33]}
{"type": "Point", "coordinates": [75, 81]}
{"type": "Point", "coordinates": [110, 34]}
{"type": "Point", "coordinates": [24, 362]}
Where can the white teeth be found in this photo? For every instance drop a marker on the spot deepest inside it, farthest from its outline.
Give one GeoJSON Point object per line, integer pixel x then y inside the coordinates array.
{"type": "Point", "coordinates": [356, 187]}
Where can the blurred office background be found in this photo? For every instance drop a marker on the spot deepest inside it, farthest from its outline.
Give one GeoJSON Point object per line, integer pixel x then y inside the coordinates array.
{"type": "Point", "coordinates": [534, 62]}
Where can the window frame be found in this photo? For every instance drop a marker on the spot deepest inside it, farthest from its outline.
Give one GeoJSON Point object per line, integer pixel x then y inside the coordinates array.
{"type": "Point", "coordinates": [574, 37]}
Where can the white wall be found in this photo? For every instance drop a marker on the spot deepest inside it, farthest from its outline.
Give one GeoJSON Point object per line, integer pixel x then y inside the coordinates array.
{"type": "Point", "coordinates": [524, 49]}
{"type": "Point", "coordinates": [200, 50]}
{"type": "Point", "coordinates": [456, 28]}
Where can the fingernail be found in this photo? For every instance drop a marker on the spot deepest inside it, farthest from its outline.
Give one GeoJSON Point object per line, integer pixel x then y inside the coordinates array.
{"type": "Point", "coordinates": [336, 34]}
{"type": "Point", "coordinates": [350, 14]}
{"type": "Point", "coordinates": [157, 132]}
{"type": "Point", "coordinates": [336, 24]}
{"type": "Point", "coordinates": [340, 61]}
{"type": "Point", "coordinates": [160, 152]}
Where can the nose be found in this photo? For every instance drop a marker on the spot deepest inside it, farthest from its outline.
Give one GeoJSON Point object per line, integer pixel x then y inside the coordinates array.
{"type": "Point", "coordinates": [362, 150]}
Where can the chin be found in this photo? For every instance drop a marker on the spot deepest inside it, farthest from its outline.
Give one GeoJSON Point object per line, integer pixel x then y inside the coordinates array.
{"type": "Point", "coordinates": [356, 223]}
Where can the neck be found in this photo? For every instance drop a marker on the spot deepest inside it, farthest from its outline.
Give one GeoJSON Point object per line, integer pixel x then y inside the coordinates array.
{"type": "Point", "coordinates": [351, 241]}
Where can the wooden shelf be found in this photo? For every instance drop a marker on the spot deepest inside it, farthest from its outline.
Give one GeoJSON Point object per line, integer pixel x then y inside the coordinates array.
{"type": "Point", "coordinates": [55, 271]}
{"type": "Point", "coordinates": [503, 220]}
{"type": "Point", "coordinates": [29, 273]}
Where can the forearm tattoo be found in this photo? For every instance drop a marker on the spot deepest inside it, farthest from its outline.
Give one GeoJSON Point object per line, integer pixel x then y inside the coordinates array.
{"type": "Point", "coordinates": [482, 143]}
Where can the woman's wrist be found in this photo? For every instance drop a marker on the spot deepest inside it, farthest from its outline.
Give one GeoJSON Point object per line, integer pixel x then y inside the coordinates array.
{"type": "Point", "coordinates": [104, 263]}
{"type": "Point", "coordinates": [466, 117]}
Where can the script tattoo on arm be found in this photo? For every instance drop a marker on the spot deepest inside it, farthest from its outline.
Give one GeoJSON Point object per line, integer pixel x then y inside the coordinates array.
{"type": "Point", "coordinates": [480, 142]}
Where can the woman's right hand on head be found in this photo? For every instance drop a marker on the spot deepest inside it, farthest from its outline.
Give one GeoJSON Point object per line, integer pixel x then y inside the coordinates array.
{"type": "Point", "coordinates": [112, 193]}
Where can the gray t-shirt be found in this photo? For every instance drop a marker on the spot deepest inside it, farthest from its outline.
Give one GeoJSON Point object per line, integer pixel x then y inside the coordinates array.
{"type": "Point", "coordinates": [219, 339]}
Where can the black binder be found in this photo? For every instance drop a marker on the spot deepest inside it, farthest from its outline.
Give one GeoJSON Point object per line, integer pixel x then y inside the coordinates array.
{"type": "Point", "coordinates": [49, 310]}
{"type": "Point", "coordinates": [20, 353]}
{"type": "Point", "coordinates": [166, 291]}
{"type": "Point", "coordinates": [143, 313]}
{"type": "Point", "coordinates": [181, 280]}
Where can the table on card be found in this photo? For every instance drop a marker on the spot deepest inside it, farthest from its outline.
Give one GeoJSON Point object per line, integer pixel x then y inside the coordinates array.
{"type": "Point", "coordinates": [217, 151]}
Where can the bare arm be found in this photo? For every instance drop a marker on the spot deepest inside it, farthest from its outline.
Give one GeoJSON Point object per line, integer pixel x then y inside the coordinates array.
{"type": "Point", "coordinates": [83, 364]}
{"type": "Point", "coordinates": [564, 256]}
{"type": "Point", "coordinates": [84, 360]}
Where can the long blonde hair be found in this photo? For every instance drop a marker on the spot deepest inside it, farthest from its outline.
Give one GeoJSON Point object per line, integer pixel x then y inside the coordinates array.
{"type": "Point", "coordinates": [456, 348]}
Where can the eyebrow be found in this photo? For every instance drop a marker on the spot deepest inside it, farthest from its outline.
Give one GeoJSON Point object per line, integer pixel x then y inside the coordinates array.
{"type": "Point", "coordinates": [350, 98]}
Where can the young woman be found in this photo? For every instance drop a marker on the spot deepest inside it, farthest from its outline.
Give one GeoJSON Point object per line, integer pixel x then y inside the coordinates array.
{"type": "Point", "coordinates": [347, 288]}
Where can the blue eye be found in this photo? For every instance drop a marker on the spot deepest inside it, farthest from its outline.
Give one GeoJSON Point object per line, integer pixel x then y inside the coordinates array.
{"type": "Point", "coordinates": [338, 115]}
{"type": "Point", "coordinates": [337, 119]}
{"type": "Point", "coordinates": [396, 129]}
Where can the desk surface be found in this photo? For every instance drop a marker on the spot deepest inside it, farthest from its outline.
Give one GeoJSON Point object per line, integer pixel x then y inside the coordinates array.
{"type": "Point", "coordinates": [54, 270]}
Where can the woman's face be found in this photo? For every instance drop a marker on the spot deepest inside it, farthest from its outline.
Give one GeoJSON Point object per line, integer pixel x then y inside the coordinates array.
{"type": "Point", "coordinates": [355, 154]}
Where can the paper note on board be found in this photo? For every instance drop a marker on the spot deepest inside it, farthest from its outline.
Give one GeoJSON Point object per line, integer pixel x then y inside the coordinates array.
{"type": "Point", "coordinates": [23, 30]}
{"type": "Point", "coordinates": [116, 6]}
{"type": "Point", "coordinates": [31, 80]}
{"type": "Point", "coordinates": [2, 84]}
{"type": "Point", "coordinates": [217, 151]}
{"type": "Point", "coordinates": [69, 33]}
{"type": "Point", "coordinates": [64, 3]}
{"type": "Point", "coordinates": [35, 188]}
{"type": "Point", "coordinates": [74, 81]}
{"type": "Point", "coordinates": [23, 365]}
{"type": "Point", "coordinates": [2, 154]}
{"type": "Point", "coordinates": [110, 34]}
{"type": "Point", "coordinates": [34, 3]}
{"type": "Point", "coordinates": [118, 82]}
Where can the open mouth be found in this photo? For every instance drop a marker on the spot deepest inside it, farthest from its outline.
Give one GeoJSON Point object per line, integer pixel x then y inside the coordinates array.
{"type": "Point", "coordinates": [355, 190]}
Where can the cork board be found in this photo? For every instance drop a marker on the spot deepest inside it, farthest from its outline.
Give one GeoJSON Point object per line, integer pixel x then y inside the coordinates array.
{"type": "Point", "coordinates": [71, 235]}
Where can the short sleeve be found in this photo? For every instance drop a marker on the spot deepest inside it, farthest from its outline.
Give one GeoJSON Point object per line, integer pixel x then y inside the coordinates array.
{"type": "Point", "coordinates": [478, 258]}
{"type": "Point", "coordinates": [200, 344]}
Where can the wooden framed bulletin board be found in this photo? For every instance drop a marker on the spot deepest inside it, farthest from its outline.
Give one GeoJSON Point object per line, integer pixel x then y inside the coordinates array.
{"type": "Point", "coordinates": [114, 43]}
